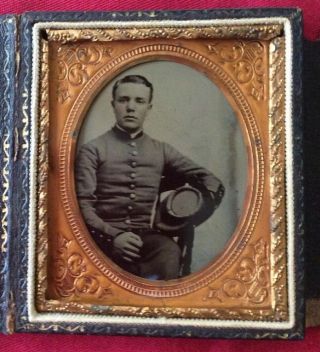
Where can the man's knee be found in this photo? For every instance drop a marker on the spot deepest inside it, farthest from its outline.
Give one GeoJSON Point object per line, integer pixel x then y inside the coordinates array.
{"type": "Point", "coordinates": [171, 247]}
{"type": "Point", "coordinates": [170, 260]}
{"type": "Point", "coordinates": [164, 257]}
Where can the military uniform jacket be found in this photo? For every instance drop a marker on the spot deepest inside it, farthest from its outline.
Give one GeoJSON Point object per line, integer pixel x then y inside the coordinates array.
{"type": "Point", "coordinates": [118, 179]}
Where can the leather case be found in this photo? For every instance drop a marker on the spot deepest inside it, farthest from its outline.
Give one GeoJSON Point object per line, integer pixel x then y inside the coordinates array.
{"type": "Point", "coordinates": [18, 38]}
{"type": "Point", "coordinates": [8, 103]}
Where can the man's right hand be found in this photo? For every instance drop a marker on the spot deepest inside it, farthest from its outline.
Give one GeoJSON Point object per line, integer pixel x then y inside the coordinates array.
{"type": "Point", "coordinates": [128, 245]}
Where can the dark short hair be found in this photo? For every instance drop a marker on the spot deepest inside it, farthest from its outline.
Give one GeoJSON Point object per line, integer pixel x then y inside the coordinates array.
{"type": "Point", "coordinates": [133, 79]}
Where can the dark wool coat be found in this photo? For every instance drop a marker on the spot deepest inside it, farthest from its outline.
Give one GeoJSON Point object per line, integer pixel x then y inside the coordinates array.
{"type": "Point", "coordinates": [118, 179]}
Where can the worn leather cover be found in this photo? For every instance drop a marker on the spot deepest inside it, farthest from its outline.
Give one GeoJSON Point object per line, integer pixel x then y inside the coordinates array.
{"type": "Point", "coordinates": [7, 111]}
{"type": "Point", "coordinates": [46, 342]}
{"type": "Point", "coordinates": [11, 93]}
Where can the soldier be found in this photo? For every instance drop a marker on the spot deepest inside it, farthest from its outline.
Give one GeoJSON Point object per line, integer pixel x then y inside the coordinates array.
{"type": "Point", "coordinates": [118, 180]}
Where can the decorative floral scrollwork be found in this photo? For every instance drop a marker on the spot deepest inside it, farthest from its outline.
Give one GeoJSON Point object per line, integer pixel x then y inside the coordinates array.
{"type": "Point", "coordinates": [76, 265]}
{"type": "Point", "coordinates": [77, 74]}
{"type": "Point", "coordinates": [251, 281]}
{"type": "Point", "coordinates": [245, 60]}
{"type": "Point", "coordinates": [87, 284]}
{"type": "Point", "coordinates": [73, 65]}
{"type": "Point", "coordinates": [227, 53]}
{"type": "Point", "coordinates": [234, 288]}
{"type": "Point", "coordinates": [260, 32]}
{"type": "Point", "coordinates": [61, 70]}
{"type": "Point", "coordinates": [71, 276]}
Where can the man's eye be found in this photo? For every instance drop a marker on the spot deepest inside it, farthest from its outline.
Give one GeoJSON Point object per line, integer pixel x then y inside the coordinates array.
{"type": "Point", "coordinates": [141, 101]}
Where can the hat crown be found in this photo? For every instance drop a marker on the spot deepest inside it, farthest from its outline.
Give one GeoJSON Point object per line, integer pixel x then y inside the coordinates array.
{"type": "Point", "coordinates": [184, 202]}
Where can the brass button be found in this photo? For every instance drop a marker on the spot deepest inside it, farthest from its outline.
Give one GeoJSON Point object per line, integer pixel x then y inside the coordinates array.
{"type": "Point", "coordinates": [134, 164]}
{"type": "Point", "coordinates": [127, 221]}
{"type": "Point", "coordinates": [130, 207]}
{"type": "Point", "coordinates": [133, 175]}
{"type": "Point", "coordinates": [132, 186]}
{"type": "Point", "coordinates": [132, 196]}
{"type": "Point", "coordinates": [133, 144]}
{"type": "Point", "coordinates": [134, 152]}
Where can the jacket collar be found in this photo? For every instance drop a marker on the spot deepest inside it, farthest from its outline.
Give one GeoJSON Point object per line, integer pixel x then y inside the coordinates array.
{"type": "Point", "coordinates": [124, 134]}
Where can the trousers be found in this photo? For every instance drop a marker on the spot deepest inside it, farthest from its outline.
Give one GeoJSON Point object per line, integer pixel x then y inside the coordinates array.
{"type": "Point", "coordinates": [160, 257]}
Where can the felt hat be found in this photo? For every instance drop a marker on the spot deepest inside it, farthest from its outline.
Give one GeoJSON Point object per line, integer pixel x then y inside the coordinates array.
{"type": "Point", "coordinates": [177, 208]}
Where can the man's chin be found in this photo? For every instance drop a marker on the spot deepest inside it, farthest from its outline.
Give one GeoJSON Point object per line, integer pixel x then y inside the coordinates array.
{"type": "Point", "coordinates": [130, 127]}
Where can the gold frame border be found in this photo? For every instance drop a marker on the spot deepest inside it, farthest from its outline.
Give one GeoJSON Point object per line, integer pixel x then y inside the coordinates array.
{"type": "Point", "coordinates": [258, 32]}
{"type": "Point", "coordinates": [276, 134]}
{"type": "Point", "coordinates": [277, 176]}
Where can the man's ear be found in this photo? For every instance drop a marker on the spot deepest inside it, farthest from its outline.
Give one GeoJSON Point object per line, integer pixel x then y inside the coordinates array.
{"type": "Point", "coordinates": [150, 106]}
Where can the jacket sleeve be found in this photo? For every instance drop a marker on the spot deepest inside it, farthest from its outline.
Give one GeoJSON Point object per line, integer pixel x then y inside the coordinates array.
{"type": "Point", "coordinates": [177, 166]}
{"type": "Point", "coordinates": [86, 167]}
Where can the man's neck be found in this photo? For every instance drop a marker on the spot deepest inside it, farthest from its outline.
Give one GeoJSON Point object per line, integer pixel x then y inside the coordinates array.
{"type": "Point", "coordinates": [132, 135]}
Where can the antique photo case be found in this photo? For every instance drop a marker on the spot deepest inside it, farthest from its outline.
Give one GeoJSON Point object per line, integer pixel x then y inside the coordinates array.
{"type": "Point", "coordinates": [162, 161]}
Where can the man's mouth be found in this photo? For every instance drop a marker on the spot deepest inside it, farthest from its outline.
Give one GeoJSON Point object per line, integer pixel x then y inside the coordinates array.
{"type": "Point", "coordinates": [129, 117]}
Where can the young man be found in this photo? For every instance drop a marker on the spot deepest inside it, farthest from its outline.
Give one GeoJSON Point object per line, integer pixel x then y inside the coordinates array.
{"type": "Point", "coordinates": [118, 178]}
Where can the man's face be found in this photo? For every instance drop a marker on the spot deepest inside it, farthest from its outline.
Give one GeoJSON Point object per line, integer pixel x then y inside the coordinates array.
{"type": "Point", "coordinates": [131, 105]}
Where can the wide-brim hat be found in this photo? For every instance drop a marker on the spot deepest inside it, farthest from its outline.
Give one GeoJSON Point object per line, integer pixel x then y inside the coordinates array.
{"type": "Point", "coordinates": [176, 208]}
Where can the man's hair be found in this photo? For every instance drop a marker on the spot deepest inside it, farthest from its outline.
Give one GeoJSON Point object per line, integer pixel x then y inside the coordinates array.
{"type": "Point", "coordinates": [133, 79]}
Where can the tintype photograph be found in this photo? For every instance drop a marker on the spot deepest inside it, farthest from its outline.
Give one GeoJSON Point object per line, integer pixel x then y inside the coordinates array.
{"type": "Point", "coordinates": [161, 170]}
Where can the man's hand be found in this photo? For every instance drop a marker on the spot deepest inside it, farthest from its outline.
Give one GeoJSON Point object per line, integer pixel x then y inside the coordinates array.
{"type": "Point", "coordinates": [128, 245]}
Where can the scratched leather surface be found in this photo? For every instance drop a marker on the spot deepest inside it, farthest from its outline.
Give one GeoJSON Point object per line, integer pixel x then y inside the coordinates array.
{"type": "Point", "coordinates": [7, 60]}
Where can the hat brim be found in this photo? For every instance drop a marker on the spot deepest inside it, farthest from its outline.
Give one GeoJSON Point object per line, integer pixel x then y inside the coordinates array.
{"type": "Point", "coordinates": [168, 219]}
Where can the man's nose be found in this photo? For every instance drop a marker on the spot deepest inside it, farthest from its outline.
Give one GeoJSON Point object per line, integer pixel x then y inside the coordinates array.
{"type": "Point", "coordinates": [131, 105]}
